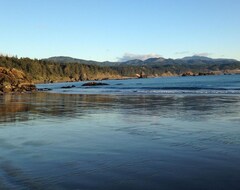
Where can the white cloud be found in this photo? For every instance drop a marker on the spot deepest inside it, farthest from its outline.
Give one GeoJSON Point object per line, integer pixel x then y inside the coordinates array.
{"type": "Point", "coordinates": [132, 56]}
{"type": "Point", "coordinates": [205, 54]}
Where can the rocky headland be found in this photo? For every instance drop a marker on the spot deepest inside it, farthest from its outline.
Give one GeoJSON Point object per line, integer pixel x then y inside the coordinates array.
{"type": "Point", "coordinates": [14, 81]}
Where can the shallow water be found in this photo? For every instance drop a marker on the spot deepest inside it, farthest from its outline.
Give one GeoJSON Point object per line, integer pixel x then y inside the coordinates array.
{"type": "Point", "coordinates": [67, 141]}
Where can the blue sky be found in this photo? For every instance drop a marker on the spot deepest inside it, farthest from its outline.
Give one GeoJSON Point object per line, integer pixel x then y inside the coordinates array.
{"type": "Point", "coordinates": [118, 30]}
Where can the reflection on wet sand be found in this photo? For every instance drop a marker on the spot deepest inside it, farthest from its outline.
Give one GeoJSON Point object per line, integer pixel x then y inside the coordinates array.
{"type": "Point", "coordinates": [12, 109]}
{"type": "Point", "coordinates": [20, 180]}
{"type": "Point", "coordinates": [119, 142]}
{"type": "Point", "coordinates": [34, 106]}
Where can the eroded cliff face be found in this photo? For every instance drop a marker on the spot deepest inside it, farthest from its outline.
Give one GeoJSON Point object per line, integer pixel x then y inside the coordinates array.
{"type": "Point", "coordinates": [13, 80]}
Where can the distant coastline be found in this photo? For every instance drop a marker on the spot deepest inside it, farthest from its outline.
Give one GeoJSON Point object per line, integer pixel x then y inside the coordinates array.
{"type": "Point", "coordinates": [232, 72]}
{"type": "Point", "coordinates": [64, 69]}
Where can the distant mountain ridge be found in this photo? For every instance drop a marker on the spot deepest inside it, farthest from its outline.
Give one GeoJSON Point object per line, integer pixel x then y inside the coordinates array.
{"type": "Point", "coordinates": [204, 58]}
{"type": "Point", "coordinates": [148, 62]}
{"type": "Point", "coordinates": [66, 59]}
{"type": "Point", "coordinates": [196, 57]}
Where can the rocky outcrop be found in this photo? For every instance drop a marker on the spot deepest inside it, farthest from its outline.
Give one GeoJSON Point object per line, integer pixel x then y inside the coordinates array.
{"type": "Point", "coordinates": [189, 73]}
{"type": "Point", "coordinates": [141, 75]}
{"type": "Point", "coordinates": [198, 74]}
{"type": "Point", "coordinates": [167, 74]}
{"type": "Point", "coordinates": [205, 74]}
{"type": "Point", "coordinates": [13, 80]}
{"type": "Point", "coordinates": [71, 86]}
{"type": "Point", "coordinates": [94, 84]}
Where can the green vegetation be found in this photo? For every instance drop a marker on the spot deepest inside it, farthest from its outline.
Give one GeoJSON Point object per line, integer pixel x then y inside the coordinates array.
{"type": "Point", "coordinates": [49, 70]}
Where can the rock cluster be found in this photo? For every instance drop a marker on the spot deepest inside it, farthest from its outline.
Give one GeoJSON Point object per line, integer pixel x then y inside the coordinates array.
{"type": "Point", "coordinates": [197, 74]}
{"type": "Point", "coordinates": [141, 75]}
{"type": "Point", "coordinates": [94, 84]}
{"type": "Point", "coordinates": [71, 86]}
{"type": "Point", "coordinates": [13, 80]}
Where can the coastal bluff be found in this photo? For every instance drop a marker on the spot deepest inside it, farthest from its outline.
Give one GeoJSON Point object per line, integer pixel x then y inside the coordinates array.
{"type": "Point", "coordinates": [13, 80]}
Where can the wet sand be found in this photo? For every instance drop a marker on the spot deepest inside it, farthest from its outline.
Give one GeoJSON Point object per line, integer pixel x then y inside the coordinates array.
{"type": "Point", "coordinates": [60, 141]}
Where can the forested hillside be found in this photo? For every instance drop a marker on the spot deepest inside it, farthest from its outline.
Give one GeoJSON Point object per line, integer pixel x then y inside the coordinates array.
{"type": "Point", "coordinates": [53, 71]}
{"type": "Point", "coordinates": [47, 71]}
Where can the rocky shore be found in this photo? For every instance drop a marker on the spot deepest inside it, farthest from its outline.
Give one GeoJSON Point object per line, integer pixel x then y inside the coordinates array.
{"type": "Point", "coordinates": [14, 81]}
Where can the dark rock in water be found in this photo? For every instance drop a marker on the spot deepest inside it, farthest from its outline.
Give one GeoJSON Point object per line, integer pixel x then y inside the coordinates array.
{"type": "Point", "coordinates": [13, 80]}
{"type": "Point", "coordinates": [72, 86]}
{"type": "Point", "coordinates": [94, 84]}
{"type": "Point", "coordinates": [44, 89]}
{"type": "Point", "coordinates": [204, 74]}
{"type": "Point", "coordinates": [197, 74]}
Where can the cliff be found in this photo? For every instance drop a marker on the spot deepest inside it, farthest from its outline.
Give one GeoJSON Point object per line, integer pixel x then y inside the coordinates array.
{"type": "Point", "coordinates": [13, 80]}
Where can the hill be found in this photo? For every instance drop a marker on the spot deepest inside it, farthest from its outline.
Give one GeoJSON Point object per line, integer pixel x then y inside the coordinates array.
{"type": "Point", "coordinates": [148, 62]}
{"type": "Point", "coordinates": [50, 71]}
{"type": "Point", "coordinates": [56, 69]}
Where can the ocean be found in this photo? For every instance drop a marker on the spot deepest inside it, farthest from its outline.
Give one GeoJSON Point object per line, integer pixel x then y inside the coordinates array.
{"type": "Point", "coordinates": [219, 84]}
{"type": "Point", "coordinates": [157, 133]}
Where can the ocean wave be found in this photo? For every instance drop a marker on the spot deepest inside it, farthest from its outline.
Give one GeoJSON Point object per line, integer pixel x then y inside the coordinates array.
{"type": "Point", "coordinates": [147, 91]}
{"type": "Point", "coordinates": [188, 91]}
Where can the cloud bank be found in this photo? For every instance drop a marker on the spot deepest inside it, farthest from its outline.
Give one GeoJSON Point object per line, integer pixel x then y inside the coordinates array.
{"type": "Point", "coordinates": [132, 56]}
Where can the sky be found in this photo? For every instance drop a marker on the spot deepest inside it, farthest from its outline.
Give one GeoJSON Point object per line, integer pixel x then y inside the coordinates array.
{"type": "Point", "coordinates": [117, 30]}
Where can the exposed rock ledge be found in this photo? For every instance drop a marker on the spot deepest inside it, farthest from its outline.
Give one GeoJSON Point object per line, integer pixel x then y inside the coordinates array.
{"type": "Point", "coordinates": [13, 80]}
{"type": "Point", "coordinates": [94, 84]}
